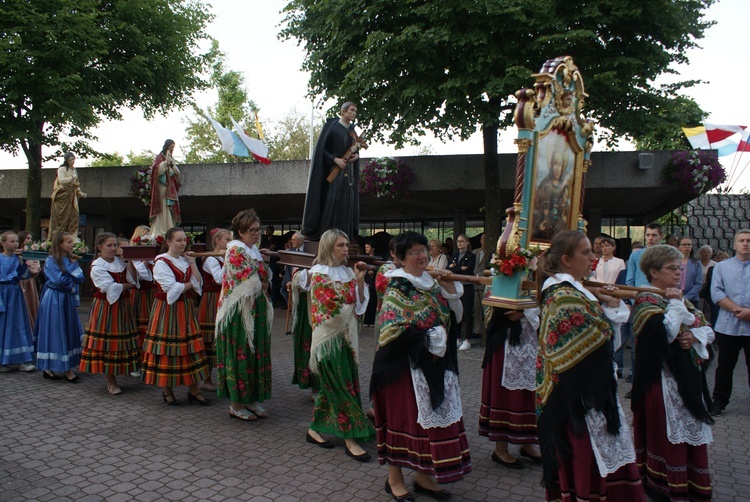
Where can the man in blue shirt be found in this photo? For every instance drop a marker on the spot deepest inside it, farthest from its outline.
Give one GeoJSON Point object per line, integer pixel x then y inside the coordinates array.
{"type": "Point", "coordinates": [635, 276]}
{"type": "Point", "coordinates": [730, 290]}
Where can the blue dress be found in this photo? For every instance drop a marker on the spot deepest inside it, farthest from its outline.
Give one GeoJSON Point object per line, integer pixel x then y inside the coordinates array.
{"type": "Point", "coordinates": [58, 330]}
{"type": "Point", "coordinates": [16, 343]}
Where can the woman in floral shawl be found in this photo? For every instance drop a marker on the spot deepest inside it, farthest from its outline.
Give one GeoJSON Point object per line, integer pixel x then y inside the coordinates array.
{"type": "Point", "coordinates": [337, 296]}
{"type": "Point", "coordinates": [587, 451]}
{"type": "Point", "coordinates": [670, 419]}
{"type": "Point", "coordinates": [414, 386]}
{"type": "Point", "coordinates": [243, 323]}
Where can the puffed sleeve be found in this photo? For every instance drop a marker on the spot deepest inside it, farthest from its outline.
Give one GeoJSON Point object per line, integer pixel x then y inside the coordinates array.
{"type": "Point", "coordinates": [166, 279]}
{"type": "Point", "coordinates": [675, 316]}
{"type": "Point", "coordinates": [704, 336]}
{"type": "Point", "coordinates": [361, 306]}
{"type": "Point", "coordinates": [105, 283]}
{"type": "Point", "coordinates": [144, 274]}
{"type": "Point", "coordinates": [213, 267]}
{"type": "Point", "coordinates": [532, 316]}
{"type": "Point", "coordinates": [454, 300]}
{"type": "Point", "coordinates": [301, 280]}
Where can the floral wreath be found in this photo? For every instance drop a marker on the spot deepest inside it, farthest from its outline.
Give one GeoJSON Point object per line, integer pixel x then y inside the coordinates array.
{"type": "Point", "coordinates": [140, 185]}
{"type": "Point", "coordinates": [522, 259]}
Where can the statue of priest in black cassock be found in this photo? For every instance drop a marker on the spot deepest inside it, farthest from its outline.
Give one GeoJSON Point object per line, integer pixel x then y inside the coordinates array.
{"type": "Point", "coordinates": [333, 202]}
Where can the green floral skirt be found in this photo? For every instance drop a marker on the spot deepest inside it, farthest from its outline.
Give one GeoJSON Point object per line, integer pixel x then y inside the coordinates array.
{"type": "Point", "coordinates": [338, 407]}
{"type": "Point", "coordinates": [302, 333]}
{"type": "Point", "coordinates": [244, 376]}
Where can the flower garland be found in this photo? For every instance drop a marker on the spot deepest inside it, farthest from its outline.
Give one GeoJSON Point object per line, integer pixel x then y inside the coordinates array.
{"type": "Point", "coordinates": [695, 171]}
{"type": "Point", "coordinates": [386, 177]}
{"type": "Point", "coordinates": [148, 240]}
{"type": "Point", "coordinates": [140, 185]}
{"type": "Point", "coordinates": [79, 247]}
{"type": "Point", "coordinates": [521, 260]}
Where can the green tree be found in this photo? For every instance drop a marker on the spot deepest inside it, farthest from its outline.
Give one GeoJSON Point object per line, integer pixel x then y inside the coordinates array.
{"type": "Point", "coordinates": [289, 138]}
{"type": "Point", "coordinates": [450, 66]}
{"type": "Point", "coordinates": [666, 133]}
{"type": "Point", "coordinates": [203, 143]}
{"type": "Point", "coordinates": [108, 160]}
{"type": "Point", "coordinates": [69, 63]}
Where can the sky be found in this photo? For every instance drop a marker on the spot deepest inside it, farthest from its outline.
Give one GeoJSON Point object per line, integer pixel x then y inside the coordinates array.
{"type": "Point", "coordinates": [247, 33]}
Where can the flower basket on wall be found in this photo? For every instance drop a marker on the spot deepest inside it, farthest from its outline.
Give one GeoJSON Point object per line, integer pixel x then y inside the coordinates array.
{"type": "Point", "coordinates": [694, 171]}
{"type": "Point", "coordinates": [140, 185]}
{"type": "Point", "coordinates": [386, 177]}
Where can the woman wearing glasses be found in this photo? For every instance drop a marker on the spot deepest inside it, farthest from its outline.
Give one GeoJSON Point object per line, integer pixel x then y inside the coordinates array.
{"type": "Point", "coordinates": [414, 386]}
{"type": "Point", "coordinates": [670, 415]}
{"type": "Point", "coordinates": [691, 279]}
{"type": "Point", "coordinates": [243, 323]}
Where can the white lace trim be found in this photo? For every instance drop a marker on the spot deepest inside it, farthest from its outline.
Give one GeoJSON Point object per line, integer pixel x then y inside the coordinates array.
{"type": "Point", "coordinates": [611, 451]}
{"type": "Point", "coordinates": [449, 412]}
{"type": "Point", "coordinates": [682, 426]}
{"type": "Point", "coordinates": [519, 368]}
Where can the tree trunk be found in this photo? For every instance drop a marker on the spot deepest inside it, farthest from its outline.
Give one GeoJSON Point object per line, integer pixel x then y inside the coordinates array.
{"type": "Point", "coordinates": [494, 212]}
{"type": "Point", "coordinates": [34, 188]}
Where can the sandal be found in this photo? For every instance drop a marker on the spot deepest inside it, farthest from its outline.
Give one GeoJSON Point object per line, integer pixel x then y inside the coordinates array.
{"type": "Point", "coordinates": [242, 414]}
{"type": "Point", "coordinates": [256, 410]}
{"type": "Point", "coordinates": [170, 399]}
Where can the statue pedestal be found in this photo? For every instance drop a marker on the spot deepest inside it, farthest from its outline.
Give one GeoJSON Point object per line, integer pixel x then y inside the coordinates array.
{"type": "Point", "coordinates": [140, 252]}
{"type": "Point", "coordinates": [507, 292]}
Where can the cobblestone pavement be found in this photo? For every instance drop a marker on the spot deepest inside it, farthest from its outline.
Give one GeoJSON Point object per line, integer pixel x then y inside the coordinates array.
{"type": "Point", "coordinates": [60, 441]}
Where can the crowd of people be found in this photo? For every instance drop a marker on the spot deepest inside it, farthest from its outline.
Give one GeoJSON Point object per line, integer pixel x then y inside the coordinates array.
{"type": "Point", "coordinates": [549, 373]}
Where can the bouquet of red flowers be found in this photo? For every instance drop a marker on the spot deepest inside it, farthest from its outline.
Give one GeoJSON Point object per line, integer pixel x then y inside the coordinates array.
{"type": "Point", "coordinates": [521, 259]}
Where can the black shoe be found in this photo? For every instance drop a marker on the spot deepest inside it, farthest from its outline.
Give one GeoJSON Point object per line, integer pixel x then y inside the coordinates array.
{"type": "Point", "coordinates": [170, 399]}
{"type": "Point", "coordinates": [409, 497]}
{"type": "Point", "coordinates": [533, 458]}
{"type": "Point", "coordinates": [72, 380]}
{"type": "Point", "coordinates": [47, 376]}
{"type": "Point", "coordinates": [363, 457]}
{"type": "Point", "coordinates": [322, 444]}
{"type": "Point", "coordinates": [194, 399]}
{"type": "Point", "coordinates": [436, 494]}
{"type": "Point", "coordinates": [510, 465]}
{"type": "Point", "coordinates": [716, 409]}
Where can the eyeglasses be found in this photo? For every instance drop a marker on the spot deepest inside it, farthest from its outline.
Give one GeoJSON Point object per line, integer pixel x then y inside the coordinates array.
{"type": "Point", "coordinates": [674, 268]}
{"type": "Point", "coordinates": [417, 252]}
{"type": "Point", "coordinates": [254, 230]}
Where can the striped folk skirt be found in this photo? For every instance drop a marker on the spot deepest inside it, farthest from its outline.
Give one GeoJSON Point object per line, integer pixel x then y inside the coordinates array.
{"type": "Point", "coordinates": [677, 472]}
{"type": "Point", "coordinates": [442, 452]}
{"type": "Point", "coordinates": [173, 352]}
{"type": "Point", "coordinates": [207, 321]}
{"type": "Point", "coordinates": [109, 340]}
{"type": "Point", "coordinates": [142, 299]}
{"type": "Point", "coordinates": [505, 415]}
{"type": "Point", "coordinates": [578, 477]}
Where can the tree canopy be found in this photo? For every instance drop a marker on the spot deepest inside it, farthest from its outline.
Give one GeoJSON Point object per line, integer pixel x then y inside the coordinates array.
{"type": "Point", "coordinates": [69, 63]}
{"type": "Point", "coordinates": [450, 66]}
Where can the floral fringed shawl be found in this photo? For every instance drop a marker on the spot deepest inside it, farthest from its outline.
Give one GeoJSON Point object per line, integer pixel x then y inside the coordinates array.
{"type": "Point", "coordinates": [242, 282]}
{"type": "Point", "coordinates": [334, 306]}
{"type": "Point", "coordinates": [655, 349]}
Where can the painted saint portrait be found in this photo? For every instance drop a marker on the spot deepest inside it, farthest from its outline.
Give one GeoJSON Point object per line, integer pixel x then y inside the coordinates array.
{"type": "Point", "coordinates": [553, 187]}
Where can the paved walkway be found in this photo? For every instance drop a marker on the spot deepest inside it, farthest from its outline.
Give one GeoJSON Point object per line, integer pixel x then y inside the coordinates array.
{"type": "Point", "coordinates": [60, 441]}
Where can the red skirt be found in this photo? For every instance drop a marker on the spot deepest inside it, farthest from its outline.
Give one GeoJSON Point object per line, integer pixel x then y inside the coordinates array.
{"type": "Point", "coordinates": [578, 478]}
{"type": "Point", "coordinates": [441, 452]}
{"type": "Point", "coordinates": [207, 321]}
{"type": "Point", "coordinates": [677, 471]}
{"type": "Point", "coordinates": [505, 415]}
